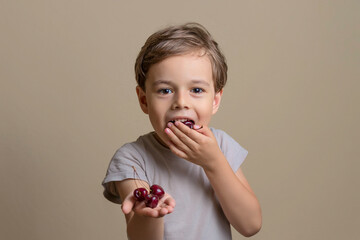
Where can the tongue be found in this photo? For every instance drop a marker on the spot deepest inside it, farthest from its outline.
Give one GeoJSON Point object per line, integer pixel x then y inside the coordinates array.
{"type": "Point", "coordinates": [190, 124]}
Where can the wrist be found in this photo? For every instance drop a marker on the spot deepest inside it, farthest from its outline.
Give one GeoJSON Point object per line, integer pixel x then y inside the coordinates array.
{"type": "Point", "coordinates": [214, 162]}
{"type": "Point", "coordinates": [150, 226]}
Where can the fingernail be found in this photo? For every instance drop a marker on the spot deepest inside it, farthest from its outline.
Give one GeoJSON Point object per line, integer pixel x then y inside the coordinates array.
{"type": "Point", "coordinates": [177, 123]}
{"type": "Point", "coordinates": [197, 127]}
{"type": "Point", "coordinates": [169, 124]}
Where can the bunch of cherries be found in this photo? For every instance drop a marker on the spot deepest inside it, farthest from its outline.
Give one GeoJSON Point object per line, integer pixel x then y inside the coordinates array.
{"type": "Point", "coordinates": [152, 198]}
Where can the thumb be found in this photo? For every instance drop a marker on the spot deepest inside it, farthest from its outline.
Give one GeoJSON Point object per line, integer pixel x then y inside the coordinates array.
{"type": "Point", "coordinates": [197, 127]}
{"type": "Point", "coordinates": [128, 204]}
{"type": "Point", "coordinates": [203, 130]}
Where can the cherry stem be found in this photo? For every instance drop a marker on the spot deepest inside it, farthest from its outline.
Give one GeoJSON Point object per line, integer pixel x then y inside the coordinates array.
{"type": "Point", "coordinates": [137, 177]}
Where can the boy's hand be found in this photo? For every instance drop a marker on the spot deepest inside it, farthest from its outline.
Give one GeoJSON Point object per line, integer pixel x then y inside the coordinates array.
{"type": "Point", "coordinates": [165, 206]}
{"type": "Point", "coordinates": [196, 145]}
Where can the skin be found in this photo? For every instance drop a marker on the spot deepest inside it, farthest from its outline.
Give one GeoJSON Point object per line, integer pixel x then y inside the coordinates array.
{"type": "Point", "coordinates": [182, 87]}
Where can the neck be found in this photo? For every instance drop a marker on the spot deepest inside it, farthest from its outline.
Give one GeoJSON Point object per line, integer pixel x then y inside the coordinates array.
{"type": "Point", "coordinates": [159, 140]}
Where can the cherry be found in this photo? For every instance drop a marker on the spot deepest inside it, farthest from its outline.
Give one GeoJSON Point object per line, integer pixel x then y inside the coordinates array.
{"type": "Point", "coordinates": [151, 200]}
{"type": "Point", "coordinates": [140, 193]}
{"type": "Point", "coordinates": [190, 124]}
{"type": "Point", "coordinates": [157, 190]}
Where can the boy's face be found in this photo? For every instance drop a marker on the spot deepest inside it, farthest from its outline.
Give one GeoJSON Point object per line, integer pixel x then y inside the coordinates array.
{"type": "Point", "coordinates": [179, 88]}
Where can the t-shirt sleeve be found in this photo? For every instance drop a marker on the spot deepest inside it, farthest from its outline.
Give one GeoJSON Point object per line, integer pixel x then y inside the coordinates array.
{"type": "Point", "coordinates": [234, 153]}
{"type": "Point", "coordinates": [121, 167]}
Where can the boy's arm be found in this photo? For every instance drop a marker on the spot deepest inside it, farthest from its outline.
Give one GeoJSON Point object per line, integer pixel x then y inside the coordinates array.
{"type": "Point", "coordinates": [143, 222]}
{"type": "Point", "coordinates": [236, 198]}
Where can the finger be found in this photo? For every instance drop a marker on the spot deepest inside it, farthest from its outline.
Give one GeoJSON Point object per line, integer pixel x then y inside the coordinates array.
{"type": "Point", "coordinates": [191, 133]}
{"type": "Point", "coordinates": [163, 212]}
{"type": "Point", "coordinates": [177, 138]}
{"type": "Point", "coordinates": [183, 133]}
{"type": "Point", "coordinates": [169, 201]}
{"type": "Point", "coordinates": [141, 209]}
{"type": "Point", "coordinates": [198, 127]}
{"type": "Point", "coordinates": [128, 204]}
{"type": "Point", "coordinates": [159, 211]}
{"type": "Point", "coordinates": [167, 205]}
{"type": "Point", "coordinates": [177, 151]}
{"type": "Point", "coordinates": [199, 132]}
{"type": "Point", "coordinates": [191, 137]}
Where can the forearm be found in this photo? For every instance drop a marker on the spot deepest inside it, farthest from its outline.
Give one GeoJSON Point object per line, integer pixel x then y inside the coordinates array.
{"type": "Point", "coordinates": [200, 147]}
{"type": "Point", "coordinates": [239, 204]}
{"type": "Point", "coordinates": [140, 227]}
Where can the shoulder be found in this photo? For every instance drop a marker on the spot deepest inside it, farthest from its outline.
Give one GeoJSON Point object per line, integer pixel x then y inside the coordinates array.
{"type": "Point", "coordinates": [232, 150]}
{"type": "Point", "coordinates": [223, 138]}
{"type": "Point", "coordinates": [135, 147]}
{"type": "Point", "coordinates": [131, 154]}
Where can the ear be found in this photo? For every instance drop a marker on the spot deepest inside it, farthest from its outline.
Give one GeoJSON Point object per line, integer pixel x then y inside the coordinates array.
{"type": "Point", "coordinates": [142, 99]}
{"type": "Point", "coordinates": [217, 100]}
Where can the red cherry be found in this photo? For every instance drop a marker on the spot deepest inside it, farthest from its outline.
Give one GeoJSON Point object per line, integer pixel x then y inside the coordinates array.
{"type": "Point", "coordinates": [151, 200]}
{"type": "Point", "coordinates": [157, 190]}
{"type": "Point", "coordinates": [140, 193]}
{"type": "Point", "coordinates": [190, 124]}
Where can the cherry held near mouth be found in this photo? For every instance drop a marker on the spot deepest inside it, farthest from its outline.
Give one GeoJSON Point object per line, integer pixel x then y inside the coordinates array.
{"type": "Point", "coordinates": [190, 124]}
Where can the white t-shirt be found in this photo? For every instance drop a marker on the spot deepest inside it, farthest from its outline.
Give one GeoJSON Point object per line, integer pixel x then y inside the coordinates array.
{"type": "Point", "coordinates": [197, 214]}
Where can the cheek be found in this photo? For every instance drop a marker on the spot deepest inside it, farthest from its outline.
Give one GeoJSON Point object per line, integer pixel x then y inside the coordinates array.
{"type": "Point", "coordinates": [205, 112]}
{"type": "Point", "coordinates": [157, 111]}
{"type": "Point", "coordinates": [157, 115]}
{"type": "Point", "coordinates": [157, 105]}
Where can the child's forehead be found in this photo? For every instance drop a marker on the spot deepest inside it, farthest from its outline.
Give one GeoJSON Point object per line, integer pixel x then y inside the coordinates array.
{"type": "Point", "coordinates": [186, 64]}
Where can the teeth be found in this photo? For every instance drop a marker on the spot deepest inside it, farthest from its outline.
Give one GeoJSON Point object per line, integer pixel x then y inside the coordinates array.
{"type": "Point", "coordinates": [181, 120]}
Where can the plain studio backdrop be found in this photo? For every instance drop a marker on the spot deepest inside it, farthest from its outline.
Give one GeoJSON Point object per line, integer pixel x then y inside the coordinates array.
{"type": "Point", "coordinates": [67, 102]}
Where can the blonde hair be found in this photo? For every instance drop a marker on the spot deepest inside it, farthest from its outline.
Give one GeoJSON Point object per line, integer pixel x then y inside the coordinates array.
{"type": "Point", "coordinates": [177, 40]}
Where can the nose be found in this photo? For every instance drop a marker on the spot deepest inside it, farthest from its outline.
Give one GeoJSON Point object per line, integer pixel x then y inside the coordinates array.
{"type": "Point", "coordinates": [180, 101]}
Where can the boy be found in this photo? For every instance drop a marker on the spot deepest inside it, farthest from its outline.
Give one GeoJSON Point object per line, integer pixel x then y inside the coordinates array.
{"type": "Point", "coordinates": [181, 74]}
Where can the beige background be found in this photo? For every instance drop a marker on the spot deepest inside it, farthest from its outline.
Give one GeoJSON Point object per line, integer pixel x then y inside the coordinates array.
{"type": "Point", "coordinates": [67, 101]}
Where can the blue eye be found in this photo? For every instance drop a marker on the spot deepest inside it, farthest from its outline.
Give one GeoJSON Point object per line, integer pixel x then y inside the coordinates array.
{"type": "Point", "coordinates": [197, 90]}
{"type": "Point", "coordinates": [165, 91]}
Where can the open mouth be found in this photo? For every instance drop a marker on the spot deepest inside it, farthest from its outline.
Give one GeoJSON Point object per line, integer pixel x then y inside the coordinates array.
{"type": "Point", "coordinates": [188, 122]}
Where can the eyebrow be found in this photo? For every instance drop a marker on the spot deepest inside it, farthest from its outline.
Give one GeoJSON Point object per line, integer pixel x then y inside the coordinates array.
{"type": "Point", "coordinates": [158, 82]}
{"type": "Point", "coordinates": [203, 82]}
